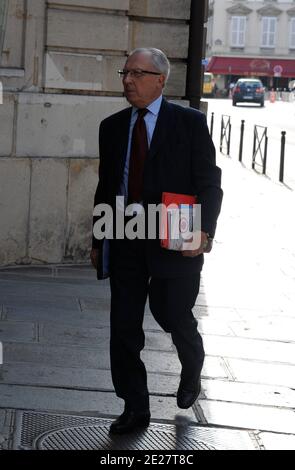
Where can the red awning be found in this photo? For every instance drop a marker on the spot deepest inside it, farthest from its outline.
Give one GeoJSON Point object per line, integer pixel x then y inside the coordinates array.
{"type": "Point", "coordinates": [252, 66]}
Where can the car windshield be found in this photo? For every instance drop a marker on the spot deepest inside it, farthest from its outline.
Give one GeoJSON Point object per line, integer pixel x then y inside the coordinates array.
{"type": "Point", "coordinates": [250, 84]}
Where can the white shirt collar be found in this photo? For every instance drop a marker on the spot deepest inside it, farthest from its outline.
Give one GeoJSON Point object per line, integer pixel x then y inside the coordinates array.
{"type": "Point", "coordinates": [153, 108]}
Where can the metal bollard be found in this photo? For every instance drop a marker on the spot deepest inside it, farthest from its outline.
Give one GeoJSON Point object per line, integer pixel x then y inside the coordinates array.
{"type": "Point", "coordinates": [221, 134]}
{"type": "Point", "coordinates": [265, 154]}
{"type": "Point", "coordinates": [241, 140]}
{"type": "Point", "coordinates": [282, 159]}
{"type": "Point", "coordinates": [225, 133]}
{"type": "Point", "coordinates": [254, 151]}
{"type": "Point", "coordinates": [212, 124]}
{"type": "Point", "coordinates": [228, 142]}
{"type": "Point", "coordinates": [260, 138]}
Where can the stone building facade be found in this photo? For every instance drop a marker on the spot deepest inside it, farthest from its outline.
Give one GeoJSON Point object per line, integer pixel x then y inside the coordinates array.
{"type": "Point", "coordinates": [58, 67]}
{"type": "Point", "coordinates": [252, 38]}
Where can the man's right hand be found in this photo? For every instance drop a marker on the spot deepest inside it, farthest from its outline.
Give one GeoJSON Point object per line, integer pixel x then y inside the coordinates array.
{"type": "Point", "coordinates": [94, 257]}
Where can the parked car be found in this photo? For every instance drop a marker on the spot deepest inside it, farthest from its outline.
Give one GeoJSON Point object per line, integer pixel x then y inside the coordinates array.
{"type": "Point", "coordinates": [209, 86]}
{"type": "Point", "coordinates": [248, 90]}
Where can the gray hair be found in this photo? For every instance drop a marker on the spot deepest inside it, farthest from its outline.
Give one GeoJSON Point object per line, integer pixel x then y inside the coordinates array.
{"type": "Point", "coordinates": [158, 59]}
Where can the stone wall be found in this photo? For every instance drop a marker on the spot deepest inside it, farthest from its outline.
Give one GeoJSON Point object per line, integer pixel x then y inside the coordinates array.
{"type": "Point", "coordinates": [59, 71]}
{"type": "Point", "coordinates": [47, 217]}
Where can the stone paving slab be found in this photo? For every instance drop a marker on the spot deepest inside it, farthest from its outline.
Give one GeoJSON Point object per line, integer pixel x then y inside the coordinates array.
{"type": "Point", "coordinates": [265, 329]}
{"type": "Point", "coordinates": [248, 416]}
{"type": "Point", "coordinates": [258, 394]}
{"type": "Point", "coordinates": [158, 341]}
{"type": "Point", "coordinates": [149, 323]}
{"type": "Point", "coordinates": [72, 317]}
{"type": "Point", "coordinates": [78, 272]}
{"type": "Point", "coordinates": [42, 375]}
{"type": "Point", "coordinates": [51, 269]}
{"type": "Point", "coordinates": [94, 358]}
{"type": "Point", "coordinates": [84, 280]}
{"type": "Point", "coordinates": [26, 303]}
{"type": "Point", "coordinates": [276, 441]}
{"type": "Point", "coordinates": [97, 304]}
{"type": "Point", "coordinates": [87, 402]}
{"type": "Point", "coordinates": [19, 272]}
{"type": "Point", "coordinates": [48, 312]}
{"type": "Point", "coordinates": [99, 312]}
{"type": "Point", "coordinates": [74, 335]}
{"type": "Point", "coordinates": [17, 331]}
{"type": "Point", "coordinates": [274, 314]}
{"type": "Point", "coordinates": [215, 367]}
{"type": "Point", "coordinates": [36, 374]}
{"type": "Point", "coordinates": [97, 337]}
{"type": "Point", "coordinates": [46, 354]}
{"type": "Point", "coordinates": [270, 351]}
{"type": "Point", "coordinates": [78, 378]}
{"type": "Point", "coordinates": [215, 327]}
{"type": "Point", "coordinates": [50, 289]}
{"type": "Point", "coordinates": [262, 372]}
{"type": "Point", "coordinates": [236, 301]}
{"type": "Point", "coordinates": [73, 356]}
{"type": "Point", "coordinates": [224, 314]}
{"type": "Point", "coordinates": [164, 362]}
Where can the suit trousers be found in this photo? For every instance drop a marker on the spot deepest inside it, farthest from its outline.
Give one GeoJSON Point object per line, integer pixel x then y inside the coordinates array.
{"type": "Point", "coordinates": [171, 302]}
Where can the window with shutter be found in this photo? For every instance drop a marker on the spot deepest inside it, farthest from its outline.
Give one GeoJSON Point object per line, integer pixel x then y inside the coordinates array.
{"type": "Point", "coordinates": [238, 31]}
{"type": "Point", "coordinates": [292, 33]}
{"type": "Point", "coordinates": [269, 27]}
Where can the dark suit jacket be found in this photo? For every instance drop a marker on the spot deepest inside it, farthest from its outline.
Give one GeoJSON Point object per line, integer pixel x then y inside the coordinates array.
{"type": "Point", "coordinates": [181, 159]}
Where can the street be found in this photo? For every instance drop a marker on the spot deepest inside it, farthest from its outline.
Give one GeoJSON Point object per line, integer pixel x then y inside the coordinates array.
{"type": "Point", "coordinates": [55, 334]}
{"type": "Point", "coordinates": [277, 117]}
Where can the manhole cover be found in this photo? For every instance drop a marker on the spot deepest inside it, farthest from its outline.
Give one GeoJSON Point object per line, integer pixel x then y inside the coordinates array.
{"type": "Point", "coordinates": [45, 430]}
{"type": "Point", "coordinates": [98, 438]}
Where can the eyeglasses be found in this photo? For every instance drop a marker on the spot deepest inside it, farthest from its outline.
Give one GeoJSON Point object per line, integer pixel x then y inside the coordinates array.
{"type": "Point", "coordinates": [136, 73]}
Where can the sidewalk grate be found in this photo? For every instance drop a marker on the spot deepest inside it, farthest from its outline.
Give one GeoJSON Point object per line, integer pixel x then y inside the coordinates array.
{"type": "Point", "coordinates": [45, 430]}
{"type": "Point", "coordinates": [98, 438]}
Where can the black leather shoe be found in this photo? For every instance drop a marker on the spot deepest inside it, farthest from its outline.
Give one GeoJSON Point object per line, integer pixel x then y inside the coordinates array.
{"type": "Point", "coordinates": [129, 421]}
{"type": "Point", "coordinates": [185, 397]}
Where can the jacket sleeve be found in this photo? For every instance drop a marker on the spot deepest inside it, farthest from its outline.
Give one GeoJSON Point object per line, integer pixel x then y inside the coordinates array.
{"type": "Point", "coordinates": [100, 193]}
{"type": "Point", "coordinates": [206, 174]}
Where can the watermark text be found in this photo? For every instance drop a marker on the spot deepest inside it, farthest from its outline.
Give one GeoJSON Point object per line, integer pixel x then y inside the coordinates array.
{"type": "Point", "coordinates": [177, 226]}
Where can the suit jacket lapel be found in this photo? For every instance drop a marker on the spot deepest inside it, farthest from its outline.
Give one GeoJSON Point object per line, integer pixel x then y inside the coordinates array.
{"type": "Point", "coordinates": [160, 132]}
{"type": "Point", "coordinates": [122, 144]}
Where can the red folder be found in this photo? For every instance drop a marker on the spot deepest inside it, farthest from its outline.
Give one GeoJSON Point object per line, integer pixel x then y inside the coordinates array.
{"type": "Point", "coordinates": [169, 199]}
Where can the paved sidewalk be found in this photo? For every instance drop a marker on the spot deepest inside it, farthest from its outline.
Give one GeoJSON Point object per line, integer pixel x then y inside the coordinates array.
{"type": "Point", "coordinates": [54, 328]}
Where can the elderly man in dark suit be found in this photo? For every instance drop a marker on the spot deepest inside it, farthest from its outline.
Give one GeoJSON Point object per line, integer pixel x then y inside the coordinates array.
{"type": "Point", "coordinates": [149, 148]}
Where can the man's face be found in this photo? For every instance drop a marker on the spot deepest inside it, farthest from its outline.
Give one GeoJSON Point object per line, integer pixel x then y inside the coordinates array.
{"type": "Point", "coordinates": [143, 90]}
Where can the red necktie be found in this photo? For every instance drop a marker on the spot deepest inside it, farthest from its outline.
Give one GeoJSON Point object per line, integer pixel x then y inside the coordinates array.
{"type": "Point", "coordinates": [138, 153]}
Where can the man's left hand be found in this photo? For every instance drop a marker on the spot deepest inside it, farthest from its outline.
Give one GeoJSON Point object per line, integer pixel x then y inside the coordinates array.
{"type": "Point", "coordinates": [205, 247]}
